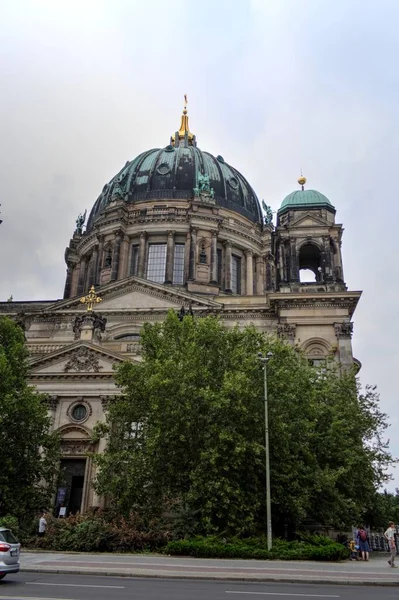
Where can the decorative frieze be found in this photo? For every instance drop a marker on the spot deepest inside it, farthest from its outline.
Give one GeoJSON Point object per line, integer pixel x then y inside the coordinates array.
{"type": "Point", "coordinates": [83, 360]}
{"type": "Point", "coordinates": [343, 330]}
{"type": "Point", "coordinates": [95, 320]}
{"type": "Point", "coordinates": [75, 447]}
{"type": "Point", "coordinates": [44, 348]}
{"type": "Point", "coordinates": [52, 402]}
{"type": "Point", "coordinates": [286, 331]}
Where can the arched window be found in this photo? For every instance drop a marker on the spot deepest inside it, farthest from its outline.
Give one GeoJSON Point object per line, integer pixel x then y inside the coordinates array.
{"type": "Point", "coordinates": [310, 269]}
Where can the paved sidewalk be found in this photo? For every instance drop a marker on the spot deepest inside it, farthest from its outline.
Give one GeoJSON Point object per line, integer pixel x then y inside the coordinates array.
{"type": "Point", "coordinates": [375, 572]}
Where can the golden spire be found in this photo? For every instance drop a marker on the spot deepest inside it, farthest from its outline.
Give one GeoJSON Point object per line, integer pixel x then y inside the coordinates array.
{"type": "Point", "coordinates": [184, 128]}
{"type": "Point", "coordinates": [302, 181]}
{"type": "Point", "coordinates": [91, 299]}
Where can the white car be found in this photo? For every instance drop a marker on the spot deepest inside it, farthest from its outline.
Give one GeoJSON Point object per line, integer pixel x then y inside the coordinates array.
{"type": "Point", "coordinates": [9, 552]}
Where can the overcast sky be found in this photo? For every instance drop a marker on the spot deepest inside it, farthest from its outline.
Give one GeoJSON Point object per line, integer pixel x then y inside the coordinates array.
{"type": "Point", "coordinates": [274, 87]}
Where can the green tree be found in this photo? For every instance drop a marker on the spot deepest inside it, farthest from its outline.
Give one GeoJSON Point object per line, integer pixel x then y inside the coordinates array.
{"type": "Point", "coordinates": [29, 453]}
{"type": "Point", "coordinates": [384, 508]}
{"type": "Point", "coordinates": [188, 431]}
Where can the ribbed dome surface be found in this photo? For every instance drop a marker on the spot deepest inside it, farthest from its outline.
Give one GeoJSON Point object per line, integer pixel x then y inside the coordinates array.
{"type": "Point", "coordinates": [168, 173]}
{"type": "Point", "coordinates": [304, 198]}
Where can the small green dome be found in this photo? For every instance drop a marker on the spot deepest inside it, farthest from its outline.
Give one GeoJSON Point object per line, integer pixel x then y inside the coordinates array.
{"type": "Point", "coordinates": [305, 198]}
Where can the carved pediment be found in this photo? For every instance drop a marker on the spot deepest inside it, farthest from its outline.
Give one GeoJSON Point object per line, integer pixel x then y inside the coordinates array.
{"type": "Point", "coordinates": [309, 220]}
{"type": "Point", "coordinates": [134, 293]}
{"type": "Point", "coordinates": [77, 359]}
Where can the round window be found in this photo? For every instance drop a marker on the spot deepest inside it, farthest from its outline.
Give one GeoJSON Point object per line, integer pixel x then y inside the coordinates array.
{"type": "Point", "coordinates": [79, 412]}
{"type": "Point", "coordinates": [163, 169]}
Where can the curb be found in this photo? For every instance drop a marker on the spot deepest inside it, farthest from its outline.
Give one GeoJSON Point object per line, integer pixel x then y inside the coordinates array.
{"type": "Point", "coordinates": [265, 579]}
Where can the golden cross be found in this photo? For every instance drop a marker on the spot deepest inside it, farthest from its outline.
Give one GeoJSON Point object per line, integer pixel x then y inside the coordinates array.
{"type": "Point", "coordinates": [91, 299]}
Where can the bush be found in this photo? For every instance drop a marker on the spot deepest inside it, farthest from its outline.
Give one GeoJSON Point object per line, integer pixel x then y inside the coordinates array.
{"type": "Point", "coordinates": [101, 532]}
{"type": "Point", "coordinates": [11, 523]}
{"type": "Point", "coordinates": [213, 547]}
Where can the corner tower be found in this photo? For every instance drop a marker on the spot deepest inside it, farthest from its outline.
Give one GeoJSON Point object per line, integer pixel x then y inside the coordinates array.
{"type": "Point", "coordinates": [308, 243]}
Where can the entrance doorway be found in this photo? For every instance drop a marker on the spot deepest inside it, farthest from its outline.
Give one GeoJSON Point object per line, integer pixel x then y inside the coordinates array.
{"type": "Point", "coordinates": [70, 488]}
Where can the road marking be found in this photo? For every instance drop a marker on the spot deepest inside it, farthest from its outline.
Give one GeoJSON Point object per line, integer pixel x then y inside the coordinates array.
{"type": "Point", "coordinates": [19, 597]}
{"type": "Point", "coordinates": [79, 585]}
{"type": "Point", "coordinates": [283, 594]}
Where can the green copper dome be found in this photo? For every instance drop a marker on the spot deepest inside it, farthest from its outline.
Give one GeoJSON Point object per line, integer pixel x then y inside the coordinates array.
{"type": "Point", "coordinates": [305, 199]}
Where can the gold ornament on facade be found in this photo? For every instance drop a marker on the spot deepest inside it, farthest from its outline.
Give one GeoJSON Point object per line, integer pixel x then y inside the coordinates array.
{"type": "Point", "coordinates": [91, 299]}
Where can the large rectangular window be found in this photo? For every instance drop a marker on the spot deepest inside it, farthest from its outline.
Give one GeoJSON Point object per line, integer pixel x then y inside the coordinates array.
{"type": "Point", "coordinates": [236, 275]}
{"type": "Point", "coordinates": [134, 262]}
{"type": "Point", "coordinates": [156, 263]}
{"type": "Point", "coordinates": [178, 264]}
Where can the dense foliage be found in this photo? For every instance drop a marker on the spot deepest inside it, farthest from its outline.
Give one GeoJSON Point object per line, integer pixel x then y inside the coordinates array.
{"type": "Point", "coordinates": [187, 436]}
{"type": "Point", "coordinates": [314, 548]}
{"type": "Point", "coordinates": [383, 508]}
{"type": "Point", "coordinates": [101, 532]}
{"type": "Point", "coordinates": [29, 451]}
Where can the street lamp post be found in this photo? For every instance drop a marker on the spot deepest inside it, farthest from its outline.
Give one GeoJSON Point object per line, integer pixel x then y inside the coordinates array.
{"type": "Point", "coordinates": [265, 359]}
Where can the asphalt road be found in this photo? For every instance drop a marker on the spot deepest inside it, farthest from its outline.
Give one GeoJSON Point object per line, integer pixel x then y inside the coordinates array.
{"type": "Point", "coordinates": [33, 586]}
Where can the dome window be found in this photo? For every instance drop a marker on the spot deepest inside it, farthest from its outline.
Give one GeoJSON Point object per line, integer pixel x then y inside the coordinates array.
{"type": "Point", "coordinates": [163, 169]}
{"type": "Point", "coordinates": [233, 183]}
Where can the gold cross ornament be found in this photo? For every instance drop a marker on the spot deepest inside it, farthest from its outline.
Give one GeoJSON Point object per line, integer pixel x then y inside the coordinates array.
{"type": "Point", "coordinates": [91, 299]}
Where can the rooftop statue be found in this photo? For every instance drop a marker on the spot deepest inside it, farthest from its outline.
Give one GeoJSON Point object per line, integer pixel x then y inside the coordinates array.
{"type": "Point", "coordinates": [268, 217]}
{"type": "Point", "coordinates": [204, 187]}
{"type": "Point", "coordinates": [80, 221]}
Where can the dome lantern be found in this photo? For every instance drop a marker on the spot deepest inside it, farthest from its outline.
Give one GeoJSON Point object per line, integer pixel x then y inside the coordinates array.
{"type": "Point", "coordinates": [183, 137]}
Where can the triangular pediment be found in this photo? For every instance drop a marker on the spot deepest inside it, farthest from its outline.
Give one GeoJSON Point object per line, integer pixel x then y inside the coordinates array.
{"type": "Point", "coordinates": [309, 220]}
{"type": "Point", "coordinates": [79, 358]}
{"type": "Point", "coordinates": [134, 293]}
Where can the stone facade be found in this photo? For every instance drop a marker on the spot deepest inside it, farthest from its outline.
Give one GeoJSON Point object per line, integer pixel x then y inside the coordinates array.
{"type": "Point", "coordinates": [205, 258]}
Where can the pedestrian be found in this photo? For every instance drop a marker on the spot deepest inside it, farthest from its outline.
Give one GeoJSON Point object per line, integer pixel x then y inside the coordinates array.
{"type": "Point", "coordinates": [390, 537]}
{"type": "Point", "coordinates": [363, 542]}
{"type": "Point", "coordinates": [354, 549]}
{"type": "Point", "coordinates": [42, 525]}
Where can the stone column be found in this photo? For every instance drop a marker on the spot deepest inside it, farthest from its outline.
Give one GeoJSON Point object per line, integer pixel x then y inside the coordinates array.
{"type": "Point", "coordinates": [124, 258]}
{"type": "Point", "coordinates": [294, 276]}
{"type": "Point", "coordinates": [227, 268]}
{"type": "Point", "coordinates": [343, 332]}
{"type": "Point", "coordinates": [193, 254]}
{"type": "Point", "coordinates": [116, 255]}
{"type": "Point", "coordinates": [52, 405]}
{"type": "Point", "coordinates": [93, 268]}
{"type": "Point", "coordinates": [327, 259]}
{"type": "Point", "coordinates": [82, 275]}
{"type": "Point", "coordinates": [282, 262]}
{"type": "Point", "coordinates": [260, 275]}
{"type": "Point", "coordinates": [142, 252]}
{"type": "Point", "coordinates": [338, 271]}
{"type": "Point", "coordinates": [68, 281]}
{"type": "Point", "coordinates": [187, 257]}
{"type": "Point", "coordinates": [214, 257]}
{"type": "Point", "coordinates": [75, 279]}
{"type": "Point", "coordinates": [250, 273]}
{"type": "Point", "coordinates": [99, 259]}
{"type": "Point", "coordinates": [170, 256]}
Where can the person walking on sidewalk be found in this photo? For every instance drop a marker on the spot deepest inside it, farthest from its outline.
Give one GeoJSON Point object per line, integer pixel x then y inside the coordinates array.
{"type": "Point", "coordinates": [390, 537]}
{"type": "Point", "coordinates": [363, 542]}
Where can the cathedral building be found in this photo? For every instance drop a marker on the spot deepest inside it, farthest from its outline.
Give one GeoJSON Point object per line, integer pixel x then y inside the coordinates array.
{"type": "Point", "coordinates": [178, 228]}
